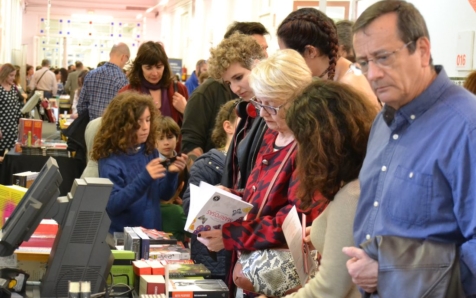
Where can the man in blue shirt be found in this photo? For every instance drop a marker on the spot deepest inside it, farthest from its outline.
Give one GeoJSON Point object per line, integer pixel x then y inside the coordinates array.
{"type": "Point", "coordinates": [192, 81]}
{"type": "Point", "coordinates": [418, 179]}
{"type": "Point", "coordinates": [102, 84]}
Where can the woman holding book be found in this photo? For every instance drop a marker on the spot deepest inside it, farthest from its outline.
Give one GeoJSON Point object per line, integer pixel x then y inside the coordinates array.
{"type": "Point", "coordinates": [125, 148]}
{"type": "Point", "coordinates": [331, 123]}
{"type": "Point", "coordinates": [276, 82]}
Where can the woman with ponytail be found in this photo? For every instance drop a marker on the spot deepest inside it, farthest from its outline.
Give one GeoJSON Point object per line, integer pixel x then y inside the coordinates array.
{"type": "Point", "coordinates": [314, 36]}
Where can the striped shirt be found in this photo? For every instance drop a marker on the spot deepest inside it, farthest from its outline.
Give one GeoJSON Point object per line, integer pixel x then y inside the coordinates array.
{"type": "Point", "coordinates": [99, 88]}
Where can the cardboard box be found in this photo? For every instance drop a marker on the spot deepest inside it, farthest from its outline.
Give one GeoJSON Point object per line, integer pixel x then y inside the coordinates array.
{"type": "Point", "coordinates": [24, 179]}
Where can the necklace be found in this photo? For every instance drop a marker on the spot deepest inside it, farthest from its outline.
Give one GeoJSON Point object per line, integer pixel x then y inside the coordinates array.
{"type": "Point", "coordinates": [324, 73]}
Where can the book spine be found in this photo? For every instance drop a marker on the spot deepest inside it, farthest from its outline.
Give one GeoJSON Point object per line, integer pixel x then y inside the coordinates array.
{"type": "Point", "coordinates": [201, 294]}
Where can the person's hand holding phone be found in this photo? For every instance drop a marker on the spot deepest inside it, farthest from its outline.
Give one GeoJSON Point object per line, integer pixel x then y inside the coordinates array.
{"type": "Point", "coordinates": [156, 169]}
{"type": "Point", "coordinates": [179, 163]}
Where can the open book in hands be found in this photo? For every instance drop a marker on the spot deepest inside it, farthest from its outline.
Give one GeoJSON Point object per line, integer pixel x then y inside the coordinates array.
{"type": "Point", "coordinates": [211, 207]}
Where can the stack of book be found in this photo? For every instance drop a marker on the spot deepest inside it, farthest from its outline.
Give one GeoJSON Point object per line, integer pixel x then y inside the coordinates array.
{"type": "Point", "coordinates": [24, 179]}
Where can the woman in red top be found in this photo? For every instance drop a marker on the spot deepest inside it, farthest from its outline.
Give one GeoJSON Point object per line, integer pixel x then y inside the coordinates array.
{"type": "Point", "coordinates": [151, 74]}
{"type": "Point", "coordinates": [276, 82]}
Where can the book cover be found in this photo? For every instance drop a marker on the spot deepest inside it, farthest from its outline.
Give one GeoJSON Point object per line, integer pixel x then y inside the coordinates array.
{"type": "Point", "coordinates": [141, 267]}
{"type": "Point", "coordinates": [185, 270]}
{"type": "Point", "coordinates": [165, 262]}
{"type": "Point", "coordinates": [132, 242]}
{"type": "Point", "coordinates": [159, 237]}
{"type": "Point", "coordinates": [211, 207]}
{"type": "Point", "coordinates": [169, 252]}
{"type": "Point", "coordinates": [146, 241]}
{"type": "Point", "coordinates": [152, 284]}
{"type": "Point", "coordinates": [10, 196]}
{"type": "Point", "coordinates": [189, 288]}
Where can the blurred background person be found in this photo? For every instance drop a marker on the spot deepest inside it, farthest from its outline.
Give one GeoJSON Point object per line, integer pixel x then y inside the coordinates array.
{"type": "Point", "coordinates": [192, 82]}
{"type": "Point", "coordinates": [72, 83]}
{"type": "Point", "coordinates": [345, 35]}
{"type": "Point", "coordinates": [151, 74]}
{"type": "Point", "coordinates": [77, 92]}
{"type": "Point", "coordinates": [9, 108]}
{"type": "Point", "coordinates": [21, 93]}
{"type": "Point", "coordinates": [30, 70]}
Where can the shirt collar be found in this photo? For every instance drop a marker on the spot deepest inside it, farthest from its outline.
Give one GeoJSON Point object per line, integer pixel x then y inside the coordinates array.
{"type": "Point", "coordinates": [420, 104]}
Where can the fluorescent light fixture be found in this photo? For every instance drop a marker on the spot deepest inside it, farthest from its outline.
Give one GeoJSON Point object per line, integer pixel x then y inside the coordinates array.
{"type": "Point", "coordinates": [138, 16]}
{"type": "Point", "coordinates": [92, 17]}
{"type": "Point", "coordinates": [161, 3]}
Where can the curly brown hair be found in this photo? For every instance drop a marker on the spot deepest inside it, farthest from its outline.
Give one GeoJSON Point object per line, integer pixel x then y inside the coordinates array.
{"type": "Point", "coordinates": [240, 48]}
{"type": "Point", "coordinates": [226, 113]}
{"type": "Point", "coordinates": [309, 26]}
{"type": "Point", "coordinates": [119, 125]}
{"type": "Point", "coordinates": [331, 123]}
{"type": "Point", "coordinates": [470, 83]}
{"type": "Point", "coordinates": [150, 53]}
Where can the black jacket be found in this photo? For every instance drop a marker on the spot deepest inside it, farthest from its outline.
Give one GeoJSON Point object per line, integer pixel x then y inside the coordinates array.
{"type": "Point", "coordinates": [200, 113]}
{"type": "Point", "coordinates": [76, 141]}
{"type": "Point", "coordinates": [241, 158]}
{"type": "Point", "coordinates": [208, 168]}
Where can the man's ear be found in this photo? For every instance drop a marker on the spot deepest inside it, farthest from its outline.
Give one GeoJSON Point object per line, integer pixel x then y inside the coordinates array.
{"type": "Point", "coordinates": [423, 46]}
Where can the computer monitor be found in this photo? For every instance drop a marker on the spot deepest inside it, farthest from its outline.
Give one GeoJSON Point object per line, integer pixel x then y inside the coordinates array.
{"type": "Point", "coordinates": [80, 251]}
{"type": "Point", "coordinates": [33, 207]}
{"type": "Point", "coordinates": [30, 106]}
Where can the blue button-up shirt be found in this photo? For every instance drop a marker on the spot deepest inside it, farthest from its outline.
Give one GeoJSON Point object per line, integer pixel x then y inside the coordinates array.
{"type": "Point", "coordinates": [418, 179]}
{"type": "Point", "coordinates": [99, 88]}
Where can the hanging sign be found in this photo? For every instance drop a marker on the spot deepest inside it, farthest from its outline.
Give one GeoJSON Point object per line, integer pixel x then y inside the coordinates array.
{"type": "Point", "coordinates": [464, 50]}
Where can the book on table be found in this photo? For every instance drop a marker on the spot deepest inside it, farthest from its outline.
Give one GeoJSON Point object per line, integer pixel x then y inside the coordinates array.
{"type": "Point", "coordinates": [189, 288]}
{"type": "Point", "coordinates": [185, 270]}
{"type": "Point", "coordinates": [211, 207]}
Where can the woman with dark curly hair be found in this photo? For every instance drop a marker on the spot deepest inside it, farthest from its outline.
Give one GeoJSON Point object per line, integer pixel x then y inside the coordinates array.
{"type": "Point", "coordinates": [314, 36]}
{"type": "Point", "coordinates": [151, 74]}
{"type": "Point", "coordinates": [331, 124]}
{"type": "Point", "coordinates": [125, 148]}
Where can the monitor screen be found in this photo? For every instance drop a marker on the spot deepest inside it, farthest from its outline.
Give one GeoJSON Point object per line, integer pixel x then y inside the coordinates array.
{"type": "Point", "coordinates": [34, 205]}
{"type": "Point", "coordinates": [31, 103]}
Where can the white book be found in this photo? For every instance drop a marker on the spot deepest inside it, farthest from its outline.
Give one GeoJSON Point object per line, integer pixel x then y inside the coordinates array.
{"type": "Point", "coordinates": [293, 232]}
{"type": "Point", "coordinates": [211, 207]}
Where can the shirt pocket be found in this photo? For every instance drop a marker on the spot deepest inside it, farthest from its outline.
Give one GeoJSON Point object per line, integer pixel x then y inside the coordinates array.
{"type": "Point", "coordinates": [409, 197]}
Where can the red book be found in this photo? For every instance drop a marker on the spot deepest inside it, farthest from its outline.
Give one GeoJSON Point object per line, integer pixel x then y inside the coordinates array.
{"type": "Point", "coordinates": [152, 284]}
{"type": "Point", "coordinates": [141, 268]}
{"type": "Point", "coordinates": [156, 267]}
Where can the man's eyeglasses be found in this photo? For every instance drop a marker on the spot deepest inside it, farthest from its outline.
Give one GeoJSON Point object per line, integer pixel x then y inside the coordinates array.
{"type": "Point", "coordinates": [269, 109]}
{"type": "Point", "coordinates": [384, 60]}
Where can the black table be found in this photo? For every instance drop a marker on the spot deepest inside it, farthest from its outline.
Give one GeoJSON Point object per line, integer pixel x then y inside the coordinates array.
{"type": "Point", "coordinates": [70, 168]}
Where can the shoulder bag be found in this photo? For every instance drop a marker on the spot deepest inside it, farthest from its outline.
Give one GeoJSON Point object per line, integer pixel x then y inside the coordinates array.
{"type": "Point", "coordinates": [269, 271]}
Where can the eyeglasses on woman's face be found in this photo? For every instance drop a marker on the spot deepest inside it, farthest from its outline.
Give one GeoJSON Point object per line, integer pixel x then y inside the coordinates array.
{"type": "Point", "coordinates": [269, 109]}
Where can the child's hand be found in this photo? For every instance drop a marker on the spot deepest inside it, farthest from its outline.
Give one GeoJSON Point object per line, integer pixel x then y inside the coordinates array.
{"type": "Point", "coordinates": [155, 169]}
{"type": "Point", "coordinates": [179, 164]}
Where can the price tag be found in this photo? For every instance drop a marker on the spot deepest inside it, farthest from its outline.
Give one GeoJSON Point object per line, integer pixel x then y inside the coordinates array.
{"type": "Point", "coordinates": [464, 50]}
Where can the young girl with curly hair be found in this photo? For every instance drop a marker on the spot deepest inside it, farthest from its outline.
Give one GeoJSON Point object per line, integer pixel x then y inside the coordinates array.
{"type": "Point", "coordinates": [125, 148]}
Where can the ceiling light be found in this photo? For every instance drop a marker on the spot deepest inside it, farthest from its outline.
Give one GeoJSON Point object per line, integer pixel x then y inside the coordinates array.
{"type": "Point", "coordinates": [139, 16]}
{"type": "Point", "coordinates": [92, 17]}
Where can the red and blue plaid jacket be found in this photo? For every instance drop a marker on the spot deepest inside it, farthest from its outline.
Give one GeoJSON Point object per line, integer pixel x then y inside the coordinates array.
{"type": "Point", "coordinates": [265, 231]}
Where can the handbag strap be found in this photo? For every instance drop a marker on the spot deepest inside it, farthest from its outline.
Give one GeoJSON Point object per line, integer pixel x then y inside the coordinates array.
{"type": "Point", "coordinates": [271, 184]}
{"type": "Point", "coordinates": [40, 78]}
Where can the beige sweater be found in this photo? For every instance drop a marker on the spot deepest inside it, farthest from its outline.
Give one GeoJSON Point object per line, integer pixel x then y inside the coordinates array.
{"type": "Point", "coordinates": [330, 232]}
